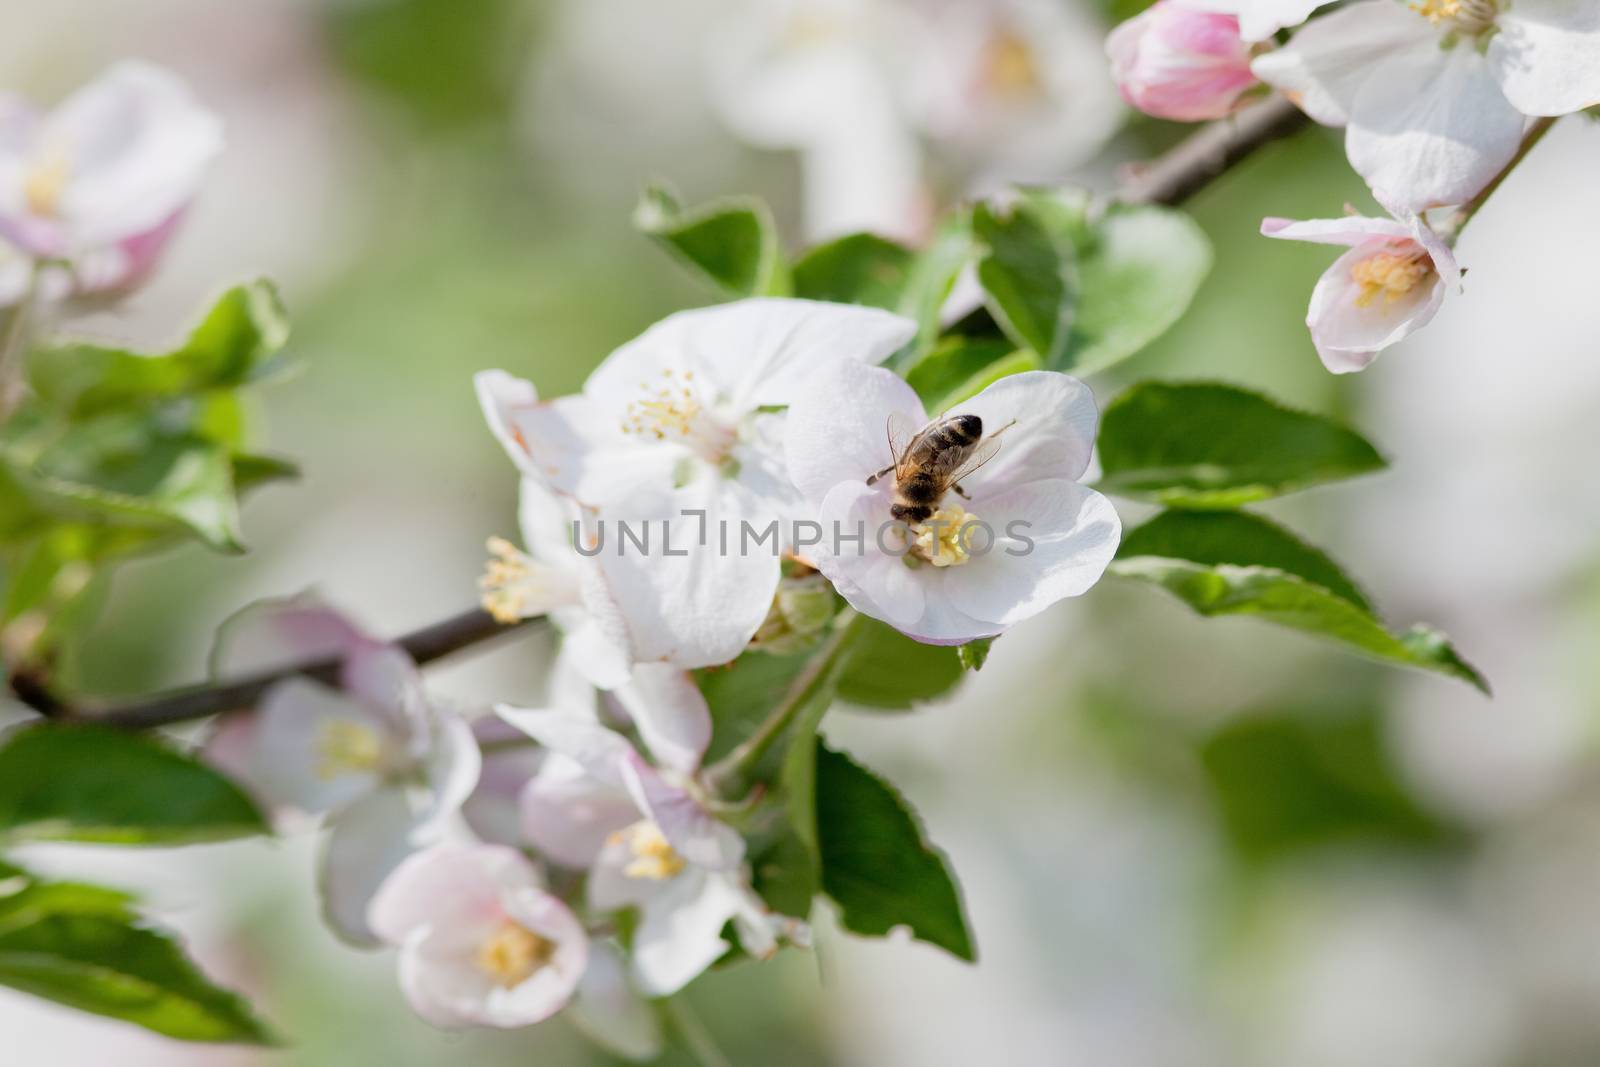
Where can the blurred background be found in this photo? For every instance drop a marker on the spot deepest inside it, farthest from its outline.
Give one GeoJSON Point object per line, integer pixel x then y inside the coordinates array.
{"type": "Point", "coordinates": [1182, 843]}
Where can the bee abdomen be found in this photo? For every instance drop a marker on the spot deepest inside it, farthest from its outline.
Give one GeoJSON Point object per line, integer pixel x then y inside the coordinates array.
{"type": "Point", "coordinates": [920, 488]}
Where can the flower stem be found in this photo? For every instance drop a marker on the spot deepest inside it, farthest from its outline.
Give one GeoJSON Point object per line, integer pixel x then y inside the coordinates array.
{"type": "Point", "coordinates": [727, 776]}
{"type": "Point", "coordinates": [1451, 229]}
{"type": "Point", "coordinates": [696, 1037]}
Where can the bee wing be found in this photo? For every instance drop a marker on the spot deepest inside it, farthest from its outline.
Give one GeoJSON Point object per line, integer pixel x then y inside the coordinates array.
{"type": "Point", "coordinates": [902, 432]}
{"type": "Point", "coordinates": [981, 453]}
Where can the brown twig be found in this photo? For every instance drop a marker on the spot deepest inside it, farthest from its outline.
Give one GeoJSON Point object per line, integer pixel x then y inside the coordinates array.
{"type": "Point", "coordinates": [1171, 179]}
{"type": "Point", "coordinates": [182, 705]}
{"type": "Point", "coordinates": [1207, 154]}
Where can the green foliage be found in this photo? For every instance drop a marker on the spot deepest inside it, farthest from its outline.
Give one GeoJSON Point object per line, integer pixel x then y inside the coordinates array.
{"type": "Point", "coordinates": [116, 452]}
{"type": "Point", "coordinates": [1204, 445]}
{"type": "Point", "coordinates": [1027, 269]}
{"type": "Point", "coordinates": [98, 784]}
{"type": "Point", "coordinates": [876, 863]}
{"type": "Point", "coordinates": [974, 654]}
{"type": "Point", "coordinates": [85, 947]}
{"type": "Point", "coordinates": [742, 693]}
{"type": "Point", "coordinates": [1286, 783]}
{"type": "Point", "coordinates": [1085, 290]}
{"type": "Point", "coordinates": [890, 670]}
{"type": "Point", "coordinates": [959, 368]}
{"type": "Point", "coordinates": [238, 342]}
{"type": "Point", "coordinates": [1222, 563]}
{"type": "Point", "coordinates": [732, 242]}
{"type": "Point", "coordinates": [859, 269]}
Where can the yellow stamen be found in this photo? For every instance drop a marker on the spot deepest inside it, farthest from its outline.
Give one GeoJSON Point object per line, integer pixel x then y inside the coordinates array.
{"type": "Point", "coordinates": [44, 183]}
{"type": "Point", "coordinates": [1467, 16]}
{"type": "Point", "coordinates": [653, 856]}
{"type": "Point", "coordinates": [1394, 275]}
{"type": "Point", "coordinates": [347, 748]}
{"type": "Point", "coordinates": [1009, 67]}
{"type": "Point", "coordinates": [945, 539]}
{"type": "Point", "coordinates": [672, 410]}
{"type": "Point", "coordinates": [516, 586]}
{"type": "Point", "coordinates": [513, 953]}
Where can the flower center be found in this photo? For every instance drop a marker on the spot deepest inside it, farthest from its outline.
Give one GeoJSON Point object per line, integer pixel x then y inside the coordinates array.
{"type": "Point", "coordinates": [513, 953]}
{"type": "Point", "coordinates": [653, 856]}
{"type": "Point", "coordinates": [1008, 65]}
{"type": "Point", "coordinates": [1468, 16]}
{"type": "Point", "coordinates": [944, 538]}
{"type": "Point", "coordinates": [347, 748]}
{"type": "Point", "coordinates": [516, 586]}
{"type": "Point", "coordinates": [45, 181]}
{"type": "Point", "coordinates": [1392, 274]}
{"type": "Point", "coordinates": [671, 410]}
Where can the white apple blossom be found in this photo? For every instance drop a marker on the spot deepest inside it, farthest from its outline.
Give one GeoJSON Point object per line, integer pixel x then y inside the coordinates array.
{"type": "Point", "coordinates": [1433, 96]}
{"type": "Point", "coordinates": [1389, 284]}
{"type": "Point", "coordinates": [96, 187]}
{"type": "Point", "coordinates": [648, 842]}
{"type": "Point", "coordinates": [481, 942]}
{"type": "Point", "coordinates": [386, 767]}
{"type": "Point", "coordinates": [676, 433]}
{"type": "Point", "coordinates": [1025, 535]}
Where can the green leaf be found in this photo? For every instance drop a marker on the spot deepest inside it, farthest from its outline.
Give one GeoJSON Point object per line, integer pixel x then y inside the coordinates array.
{"type": "Point", "coordinates": [890, 670]}
{"type": "Point", "coordinates": [84, 947]}
{"type": "Point", "coordinates": [931, 276]}
{"type": "Point", "coordinates": [126, 472]}
{"type": "Point", "coordinates": [974, 654]}
{"type": "Point", "coordinates": [784, 874]}
{"type": "Point", "coordinates": [1086, 292]}
{"type": "Point", "coordinates": [98, 784]}
{"type": "Point", "coordinates": [1228, 563]}
{"type": "Point", "coordinates": [876, 863]}
{"type": "Point", "coordinates": [1137, 273]}
{"type": "Point", "coordinates": [733, 242]}
{"type": "Point", "coordinates": [859, 269]}
{"type": "Point", "coordinates": [1287, 783]}
{"type": "Point", "coordinates": [1027, 270]}
{"type": "Point", "coordinates": [742, 693]}
{"type": "Point", "coordinates": [1205, 445]}
{"type": "Point", "coordinates": [236, 343]}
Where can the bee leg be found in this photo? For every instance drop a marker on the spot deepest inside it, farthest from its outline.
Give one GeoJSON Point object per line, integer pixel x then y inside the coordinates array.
{"type": "Point", "coordinates": [962, 493]}
{"type": "Point", "coordinates": [872, 480]}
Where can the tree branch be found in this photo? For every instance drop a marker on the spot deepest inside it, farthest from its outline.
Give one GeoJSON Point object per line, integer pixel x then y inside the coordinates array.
{"type": "Point", "coordinates": [1209, 153]}
{"type": "Point", "coordinates": [181, 705]}
{"type": "Point", "coordinates": [1170, 179]}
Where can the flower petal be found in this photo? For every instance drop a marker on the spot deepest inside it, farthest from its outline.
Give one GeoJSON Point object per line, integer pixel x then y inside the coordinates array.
{"type": "Point", "coordinates": [837, 429]}
{"type": "Point", "coordinates": [578, 446]}
{"type": "Point", "coordinates": [366, 842]}
{"type": "Point", "coordinates": [1053, 539]}
{"type": "Point", "coordinates": [139, 144]}
{"type": "Point", "coordinates": [873, 581]}
{"type": "Point", "coordinates": [1047, 424]}
{"type": "Point", "coordinates": [568, 815]}
{"type": "Point", "coordinates": [270, 635]}
{"type": "Point", "coordinates": [598, 750]}
{"type": "Point", "coordinates": [502, 397]}
{"type": "Point", "coordinates": [680, 932]}
{"type": "Point", "coordinates": [453, 764]}
{"type": "Point", "coordinates": [1547, 55]}
{"type": "Point", "coordinates": [695, 834]}
{"type": "Point", "coordinates": [1348, 230]}
{"type": "Point", "coordinates": [751, 353]}
{"type": "Point", "coordinates": [1431, 127]}
{"type": "Point", "coordinates": [609, 1011]}
{"type": "Point", "coordinates": [447, 885]}
{"type": "Point", "coordinates": [1349, 336]}
{"type": "Point", "coordinates": [1327, 62]}
{"type": "Point", "coordinates": [670, 713]}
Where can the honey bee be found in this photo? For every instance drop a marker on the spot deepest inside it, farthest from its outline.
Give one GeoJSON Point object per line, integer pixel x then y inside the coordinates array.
{"type": "Point", "coordinates": [932, 461]}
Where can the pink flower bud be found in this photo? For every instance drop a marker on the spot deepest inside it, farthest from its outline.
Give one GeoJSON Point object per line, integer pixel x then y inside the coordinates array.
{"type": "Point", "coordinates": [1175, 62]}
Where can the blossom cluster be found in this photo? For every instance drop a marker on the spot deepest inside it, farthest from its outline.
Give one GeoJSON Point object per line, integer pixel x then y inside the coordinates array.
{"type": "Point", "coordinates": [1437, 99]}
{"type": "Point", "coordinates": [576, 856]}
